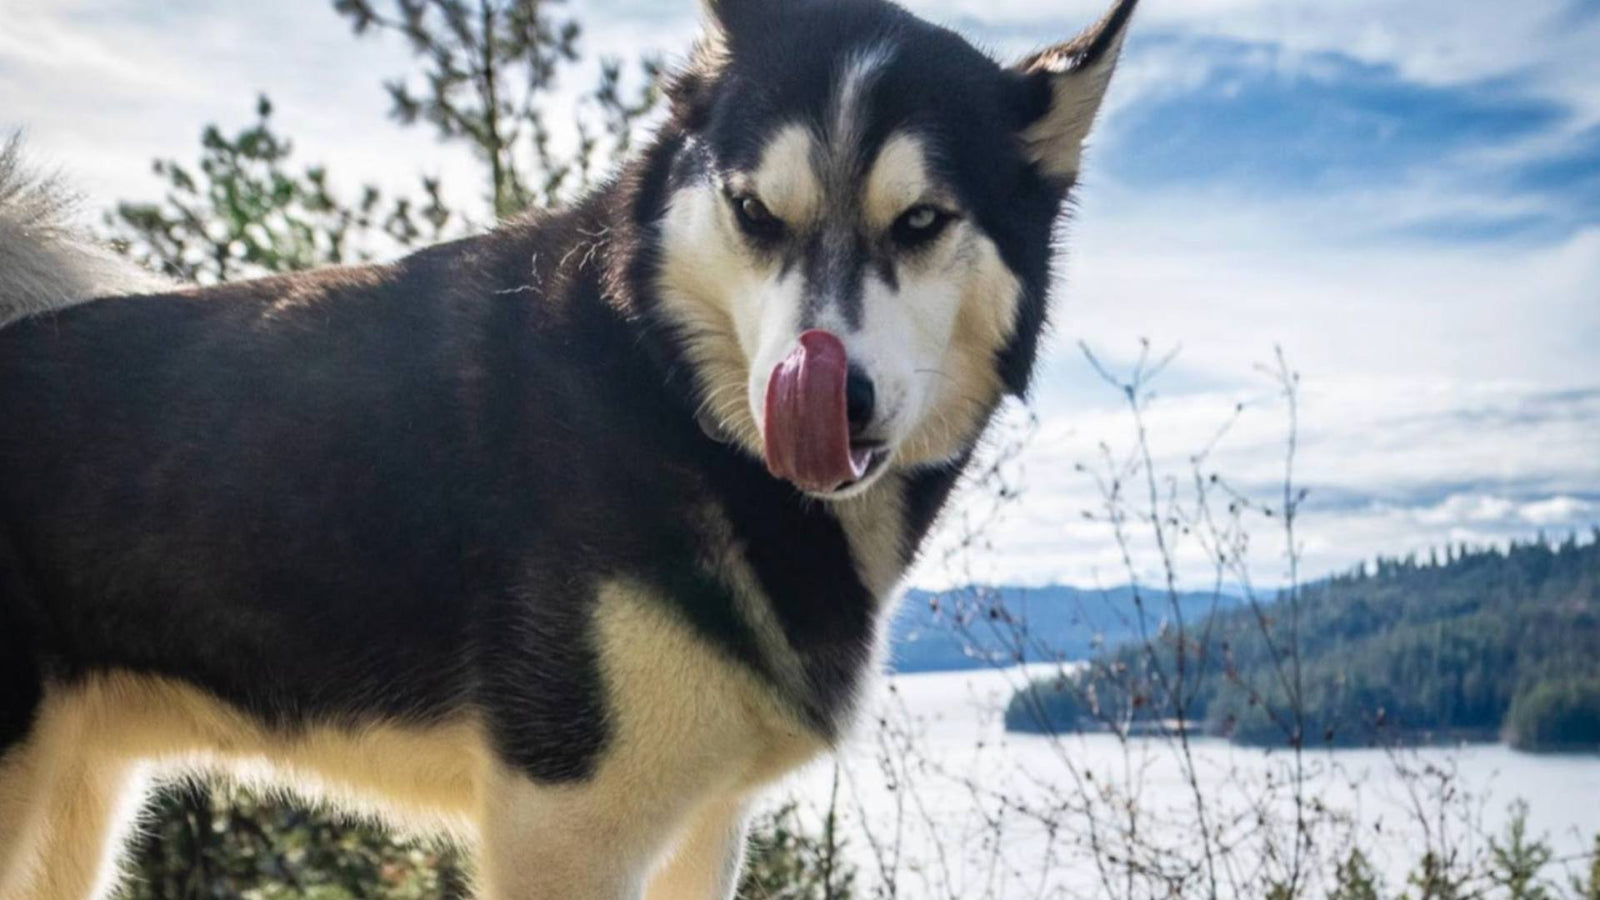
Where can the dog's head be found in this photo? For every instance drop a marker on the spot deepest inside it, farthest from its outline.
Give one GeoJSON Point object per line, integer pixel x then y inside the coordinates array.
{"type": "Point", "coordinates": [854, 240]}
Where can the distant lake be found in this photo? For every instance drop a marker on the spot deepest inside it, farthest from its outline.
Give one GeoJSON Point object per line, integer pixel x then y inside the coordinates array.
{"type": "Point", "coordinates": [944, 828]}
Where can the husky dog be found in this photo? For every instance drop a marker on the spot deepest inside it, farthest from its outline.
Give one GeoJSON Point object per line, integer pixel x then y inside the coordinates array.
{"type": "Point", "coordinates": [562, 540]}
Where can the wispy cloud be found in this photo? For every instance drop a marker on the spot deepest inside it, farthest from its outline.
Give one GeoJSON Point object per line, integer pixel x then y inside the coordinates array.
{"type": "Point", "coordinates": [1543, 46]}
{"type": "Point", "coordinates": [1391, 466]}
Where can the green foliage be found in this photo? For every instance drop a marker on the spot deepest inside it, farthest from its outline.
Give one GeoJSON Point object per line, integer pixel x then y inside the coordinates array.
{"type": "Point", "coordinates": [1515, 862]}
{"type": "Point", "coordinates": [1046, 706]}
{"type": "Point", "coordinates": [1556, 715]}
{"type": "Point", "coordinates": [206, 842]}
{"type": "Point", "coordinates": [244, 211]}
{"type": "Point", "coordinates": [1435, 879]}
{"type": "Point", "coordinates": [1355, 879]}
{"type": "Point", "coordinates": [1587, 886]}
{"type": "Point", "coordinates": [486, 72]}
{"type": "Point", "coordinates": [784, 861]}
{"type": "Point", "coordinates": [1410, 649]}
{"type": "Point", "coordinates": [1514, 870]}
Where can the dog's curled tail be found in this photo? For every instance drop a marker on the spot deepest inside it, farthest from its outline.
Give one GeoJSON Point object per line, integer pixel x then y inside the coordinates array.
{"type": "Point", "coordinates": [46, 262]}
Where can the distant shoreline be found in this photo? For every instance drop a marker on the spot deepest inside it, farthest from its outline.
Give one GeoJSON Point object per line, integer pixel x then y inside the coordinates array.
{"type": "Point", "coordinates": [1391, 738]}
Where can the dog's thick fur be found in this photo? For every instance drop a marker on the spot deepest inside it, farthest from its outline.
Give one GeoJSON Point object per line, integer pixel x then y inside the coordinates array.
{"type": "Point", "coordinates": [482, 541]}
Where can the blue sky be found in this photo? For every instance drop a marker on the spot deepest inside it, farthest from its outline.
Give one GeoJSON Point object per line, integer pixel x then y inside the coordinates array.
{"type": "Point", "coordinates": [1404, 194]}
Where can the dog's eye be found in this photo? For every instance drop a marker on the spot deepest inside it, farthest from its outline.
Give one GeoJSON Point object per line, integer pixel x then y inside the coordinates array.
{"type": "Point", "coordinates": [919, 225]}
{"type": "Point", "coordinates": [755, 218]}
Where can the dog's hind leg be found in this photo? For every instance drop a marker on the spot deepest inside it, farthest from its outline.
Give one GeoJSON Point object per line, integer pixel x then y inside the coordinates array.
{"type": "Point", "coordinates": [65, 806]}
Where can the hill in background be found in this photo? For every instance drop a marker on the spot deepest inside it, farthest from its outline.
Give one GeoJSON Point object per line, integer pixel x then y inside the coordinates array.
{"type": "Point", "coordinates": [1467, 643]}
{"type": "Point", "coordinates": [979, 627]}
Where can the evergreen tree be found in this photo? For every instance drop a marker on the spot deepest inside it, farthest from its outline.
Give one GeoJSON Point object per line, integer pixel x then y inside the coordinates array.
{"type": "Point", "coordinates": [1487, 644]}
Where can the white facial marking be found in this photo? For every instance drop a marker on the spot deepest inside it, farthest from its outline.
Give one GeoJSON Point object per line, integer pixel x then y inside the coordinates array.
{"type": "Point", "coordinates": [849, 111]}
{"type": "Point", "coordinates": [965, 384]}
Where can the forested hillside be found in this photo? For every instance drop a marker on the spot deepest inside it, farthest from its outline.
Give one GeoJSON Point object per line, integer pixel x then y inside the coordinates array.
{"type": "Point", "coordinates": [1473, 643]}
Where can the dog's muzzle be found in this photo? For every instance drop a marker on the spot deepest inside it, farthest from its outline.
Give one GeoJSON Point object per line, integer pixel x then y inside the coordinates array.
{"type": "Point", "coordinates": [808, 420]}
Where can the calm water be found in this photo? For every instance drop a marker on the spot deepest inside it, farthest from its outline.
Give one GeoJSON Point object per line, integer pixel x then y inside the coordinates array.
{"type": "Point", "coordinates": [934, 817]}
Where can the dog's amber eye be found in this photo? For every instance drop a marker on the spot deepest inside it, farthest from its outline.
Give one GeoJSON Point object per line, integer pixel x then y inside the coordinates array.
{"type": "Point", "coordinates": [919, 225]}
{"type": "Point", "coordinates": [755, 218]}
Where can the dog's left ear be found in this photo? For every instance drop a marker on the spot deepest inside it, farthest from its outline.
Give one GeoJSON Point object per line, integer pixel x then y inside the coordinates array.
{"type": "Point", "coordinates": [1066, 83]}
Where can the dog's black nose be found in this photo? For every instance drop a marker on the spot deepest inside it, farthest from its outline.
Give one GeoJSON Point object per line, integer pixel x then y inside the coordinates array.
{"type": "Point", "coordinates": [859, 399]}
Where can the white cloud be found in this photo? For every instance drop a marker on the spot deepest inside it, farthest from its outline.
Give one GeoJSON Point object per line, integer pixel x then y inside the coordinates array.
{"type": "Point", "coordinates": [1432, 463]}
{"type": "Point", "coordinates": [1489, 509]}
{"type": "Point", "coordinates": [1558, 510]}
{"type": "Point", "coordinates": [102, 87]}
{"type": "Point", "coordinates": [1546, 46]}
{"type": "Point", "coordinates": [1225, 275]}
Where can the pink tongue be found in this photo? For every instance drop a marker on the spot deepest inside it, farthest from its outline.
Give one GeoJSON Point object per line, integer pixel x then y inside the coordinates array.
{"type": "Point", "coordinates": [807, 426]}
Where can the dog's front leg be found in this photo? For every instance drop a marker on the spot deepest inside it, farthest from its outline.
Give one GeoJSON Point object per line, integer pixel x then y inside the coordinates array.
{"type": "Point", "coordinates": [708, 855]}
{"type": "Point", "coordinates": [561, 842]}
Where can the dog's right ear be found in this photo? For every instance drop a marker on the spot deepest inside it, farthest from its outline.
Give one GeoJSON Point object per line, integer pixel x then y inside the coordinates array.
{"type": "Point", "coordinates": [689, 89]}
{"type": "Point", "coordinates": [728, 16]}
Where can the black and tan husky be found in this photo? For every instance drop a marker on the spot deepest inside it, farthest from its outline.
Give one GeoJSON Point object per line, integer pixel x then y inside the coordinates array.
{"type": "Point", "coordinates": [565, 539]}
